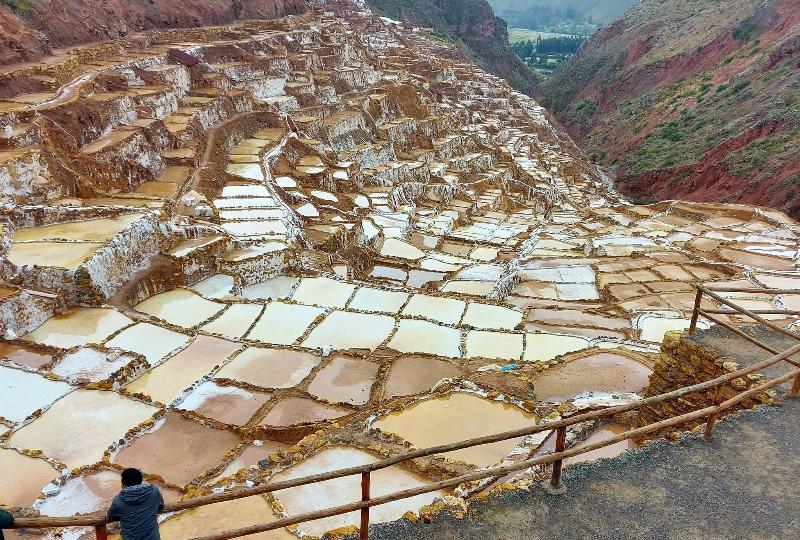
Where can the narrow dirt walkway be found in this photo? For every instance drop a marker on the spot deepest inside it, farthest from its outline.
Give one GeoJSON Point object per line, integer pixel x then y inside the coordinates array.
{"type": "Point", "coordinates": [745, 483]}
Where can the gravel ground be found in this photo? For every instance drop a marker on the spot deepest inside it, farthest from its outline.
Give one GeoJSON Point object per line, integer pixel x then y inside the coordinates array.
{"type": "Point", "coordinates": [742, 484]}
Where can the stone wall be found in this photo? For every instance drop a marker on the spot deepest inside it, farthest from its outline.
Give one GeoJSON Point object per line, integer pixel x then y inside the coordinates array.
{"type": "Point", "coordinates": [683, 362]}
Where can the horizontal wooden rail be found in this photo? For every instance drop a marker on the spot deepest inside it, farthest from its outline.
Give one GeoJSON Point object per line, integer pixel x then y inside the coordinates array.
{"type": "Point", "coordinates": [747, 312]}
{"type": "Point", "coordinates": [758, 311]}
{"type": "Point", "coordinates": [95, 519]}
{"type": "Point", "coordinates": [744, 335]}
{"type": "Point", "coordinates": [751, 290]}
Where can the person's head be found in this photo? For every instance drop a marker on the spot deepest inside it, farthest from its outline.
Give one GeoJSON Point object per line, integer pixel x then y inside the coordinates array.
{"type": "Point", "coordinates": [131, 477]}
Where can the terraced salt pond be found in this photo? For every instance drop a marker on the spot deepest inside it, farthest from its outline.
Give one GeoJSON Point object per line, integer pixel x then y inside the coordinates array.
{"type": "Point", "coordinates": [340, 490]}
{"type": "Point", "coordinates": [451, 418]}
{"type": "Point", "coordinates": [421, 263]}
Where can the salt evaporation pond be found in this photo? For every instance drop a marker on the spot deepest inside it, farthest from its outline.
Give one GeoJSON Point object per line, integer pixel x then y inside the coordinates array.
{"type": "Point", "coordinates": [601, 373]}
{"type": "Point", "coordinates": [341, 490]}
{"type": "Point", "coordinates": [454, 418]}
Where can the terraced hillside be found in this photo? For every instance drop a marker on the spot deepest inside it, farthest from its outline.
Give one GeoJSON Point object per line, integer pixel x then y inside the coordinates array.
{"type": "Point", "coordinates": [688, 99]}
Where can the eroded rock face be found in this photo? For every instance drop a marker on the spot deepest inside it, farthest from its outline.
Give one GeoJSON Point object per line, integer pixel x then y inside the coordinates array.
{"type": "Point", "coordinates": [321, 225]}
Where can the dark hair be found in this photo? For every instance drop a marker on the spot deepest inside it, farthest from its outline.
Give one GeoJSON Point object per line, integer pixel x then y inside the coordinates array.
{"type": "Point", "coordinates": [131, 477]}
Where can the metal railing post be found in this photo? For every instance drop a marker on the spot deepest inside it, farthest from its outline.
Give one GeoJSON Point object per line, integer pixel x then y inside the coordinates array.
{"type": "Point", "coordinates": [795, 391]}
{"type": "Point", "coordinates": [556, 487]}
{"type": "Point", "coordinates": [696, 313]}
{"type": "Point", "coordinates": [100, 532]}
{"type": "Point", "coordinates": [364, 530]}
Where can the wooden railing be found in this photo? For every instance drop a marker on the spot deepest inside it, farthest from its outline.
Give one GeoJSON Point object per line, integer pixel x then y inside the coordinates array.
{"type": "Point", "coordinates": [710, 413]}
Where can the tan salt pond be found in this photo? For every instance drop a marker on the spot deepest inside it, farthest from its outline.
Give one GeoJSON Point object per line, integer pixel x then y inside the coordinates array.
{"type": "Point", "coordinates": [151, 341]}
{"type": "Point", "coordinates": [345, 380]}
{"type": "Point", "coordinates": [78, 327]}
{"type": "Point", "coordinates": [235, 321]}
{"type": "Point", "coordinates": [604, 432]}
{"type": "Point", "coordinates": [322, 291]}
{"type": "Point", "coordinates": [500, 345]}
{"type": "Point", "coordinates": [414, 374]}
{"type": "Point", "coordinates": [51, 432]}
{"type": "Point", "coordinates": [283, 324]}
{"type": "Point", "coordinates": [177, 449]}
{"type": "Point", "coordinates": [226, 404]}
{"type": "Point", "coordinates": [223, 517]}
{"type": "Point", "coordinates": [378, 300]}
{"type": "Point", "coordinates": [653, 328]}
{"type": "Point", "coordinates": [23, 477]}
{"type": "Point", "coordinates": [180, 307]}
{"type": "Point", "coordinates": [22, 393]}
{"type": "Point", "coordinates": [269, 368]}
{"type": "Point", "coordinates": [452, 418]}
{"type": "Point", "coordinates": [347, 489]}
{"type": "Point", "coordinates": [415, 336]}
{"type": "Point", "coordinates": [93, 230]}
{"type": "Point", "coordinates": [69, 255]}
{"type": "Point", "coordinates": [346, 330]}
{"type": "Point", "coordinates": [277, 287]}
{"type": "Point", "coordinates": [445, 310]}
{"type": "Point", "coordinates": [167, 381]}
{"type": "Point", "coordinates": [293, 411]}
{"type": "Point", "coordinates": [491, 317]}
{"type": "Point", "coordinates": [602, 372]}
{"type": "Point", "coordinates": [540, 347]}
{"type": "Point", "coordinates": [23, 356]}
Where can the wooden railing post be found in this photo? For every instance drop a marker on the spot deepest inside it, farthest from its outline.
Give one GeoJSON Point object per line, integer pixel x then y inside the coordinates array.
{"type": "Point", "coordinates": [696, 313]}
{"type": "Point", "coordinates": [795, 391]}
{"type": "Point", "coordinates": [712, 418]}
{"type": "Point", "coordinates": [364, 530]}
{"type": "Point", "coordinates": [556, 487]}
{"type": "Point", "coordinates": [100, 532]}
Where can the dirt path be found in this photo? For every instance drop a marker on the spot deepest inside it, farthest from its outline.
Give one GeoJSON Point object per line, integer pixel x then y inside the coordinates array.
{"type": "Point", "coordinates": [742, 484]}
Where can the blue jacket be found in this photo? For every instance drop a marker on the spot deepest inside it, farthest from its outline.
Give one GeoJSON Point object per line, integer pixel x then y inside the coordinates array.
{"type": "Point", "coordinates": [137, 509]}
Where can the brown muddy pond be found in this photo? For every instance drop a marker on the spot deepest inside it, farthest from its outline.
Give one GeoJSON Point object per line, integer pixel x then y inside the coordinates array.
{"type": "Point", "coordinates": [603, 372]}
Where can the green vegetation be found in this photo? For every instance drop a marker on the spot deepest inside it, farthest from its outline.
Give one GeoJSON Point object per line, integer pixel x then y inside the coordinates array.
{"type": "Point", "coordinates": [545, 54]}
{"type": "Point", "coordinates": [22, 7]}
{"type": "Point", "coordinates": [745, 30]}
{"type": "Point", "coordinates": [586, 107]}
{"type": "Point", "coordinates": [756, 156]}
{"type": "Point", "coordinates": [582, 17]}
{"type": "Point", "coordinates": [676, 142]}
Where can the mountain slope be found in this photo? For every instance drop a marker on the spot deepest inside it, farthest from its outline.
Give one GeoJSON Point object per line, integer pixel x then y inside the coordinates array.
{"type": "Point", "coordinates": [691, 99]}
{"type": "Point", "coordinates": [28, 34]}
{"type": "Point", "coordinates": [470, 24]}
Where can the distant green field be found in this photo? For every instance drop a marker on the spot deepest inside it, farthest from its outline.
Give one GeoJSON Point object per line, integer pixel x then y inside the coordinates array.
{"type": "Point", "coordinates": [521, 34]}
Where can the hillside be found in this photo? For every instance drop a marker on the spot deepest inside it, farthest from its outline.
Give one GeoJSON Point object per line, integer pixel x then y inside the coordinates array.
{"type": "Point", "coordinates": [29, 30]}
{"type": "Point", "coordinates": [470, 24]}
{"type": "Point", "coordinates": [692, 100]}
{"type": "Point", "coordinates": [568, 16]}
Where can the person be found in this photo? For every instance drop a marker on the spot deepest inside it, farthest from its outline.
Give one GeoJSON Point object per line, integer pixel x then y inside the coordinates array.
{"type": "Point", "coordinates": [137, 507]}
{"type": "Point", "coordinates": [6, 521]}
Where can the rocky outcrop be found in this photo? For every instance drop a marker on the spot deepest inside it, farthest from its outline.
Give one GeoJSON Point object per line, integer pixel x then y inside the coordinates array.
{"type": "Point", "coordinates": [469, 24]}
{"type": "Point", "coordinates": [684, 362]}
{"type": "Point", "coordinates": [684, 100]}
